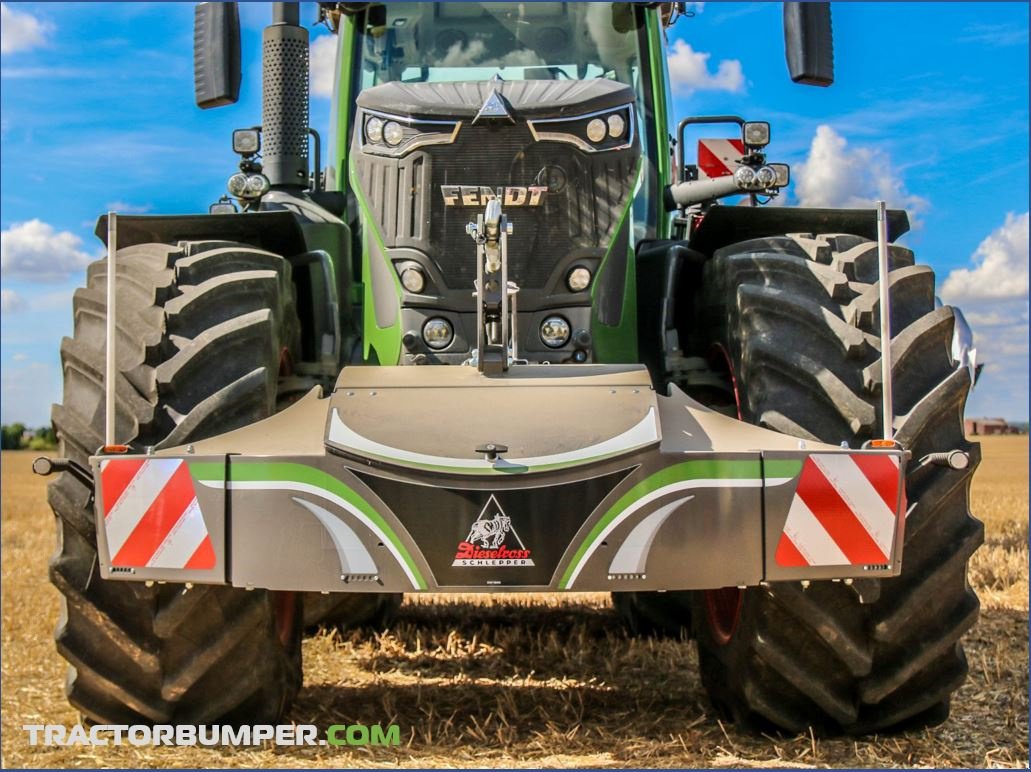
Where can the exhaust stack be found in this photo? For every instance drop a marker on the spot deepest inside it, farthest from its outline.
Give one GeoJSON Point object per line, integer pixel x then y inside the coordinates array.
{"type": "Point", "coordinates": [284, 98]}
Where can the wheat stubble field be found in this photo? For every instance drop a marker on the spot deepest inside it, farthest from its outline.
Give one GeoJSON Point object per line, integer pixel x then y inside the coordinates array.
{"type": "Point", "coordinates": [536, 680]}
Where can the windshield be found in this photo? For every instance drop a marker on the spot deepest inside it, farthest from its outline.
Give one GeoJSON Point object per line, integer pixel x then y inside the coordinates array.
{"type": "Point", "coordinates": [435, 42]}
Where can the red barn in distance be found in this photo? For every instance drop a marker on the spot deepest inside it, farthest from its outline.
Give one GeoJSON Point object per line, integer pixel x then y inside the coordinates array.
{"type": "Point", "coordinates": [977, 426]}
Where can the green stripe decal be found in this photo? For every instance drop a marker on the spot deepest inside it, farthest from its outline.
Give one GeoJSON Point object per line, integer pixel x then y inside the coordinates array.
{"type": "Point", "coordinates": [687, 470]}
{"type": "Point", "coordinates": [385, 342]}
{"type": "Point", "coordinates": [781, 468]}
{"type": "Point", "coordinates": [285, 472]}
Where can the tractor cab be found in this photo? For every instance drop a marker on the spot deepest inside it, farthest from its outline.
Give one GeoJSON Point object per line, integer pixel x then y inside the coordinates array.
{"type": "Point", "coordinates": [549, 108]}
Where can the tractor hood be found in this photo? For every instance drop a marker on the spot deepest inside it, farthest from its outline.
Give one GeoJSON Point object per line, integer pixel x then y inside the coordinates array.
{"type": "Point", "coordinates": [522, 99]}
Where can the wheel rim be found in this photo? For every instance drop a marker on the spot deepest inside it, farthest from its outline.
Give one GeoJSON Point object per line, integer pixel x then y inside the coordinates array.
{"type": "Point", "coordinates": [285, 609]}
{"type": "Point", "coordinates": [723, 610]}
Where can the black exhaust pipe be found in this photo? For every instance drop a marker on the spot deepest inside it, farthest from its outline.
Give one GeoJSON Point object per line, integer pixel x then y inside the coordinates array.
{"type": "Point", "coordinates": [284, 98]}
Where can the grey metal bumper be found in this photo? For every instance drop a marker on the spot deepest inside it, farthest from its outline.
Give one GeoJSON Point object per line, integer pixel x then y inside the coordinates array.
{"type": "Point", "coordinates": [385, 485]}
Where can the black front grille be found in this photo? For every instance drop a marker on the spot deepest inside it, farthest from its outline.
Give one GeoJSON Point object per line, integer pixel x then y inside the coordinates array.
{"type": "Point", "coordinates": [587, 195]}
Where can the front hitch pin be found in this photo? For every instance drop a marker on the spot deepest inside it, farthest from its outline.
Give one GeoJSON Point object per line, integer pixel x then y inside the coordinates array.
{"type": "Point", "coordinates": [492, 451]}
{"type": "Point", "coordinates": [44, 466]}
{"type": "Point", "coordinates": [952, 459]}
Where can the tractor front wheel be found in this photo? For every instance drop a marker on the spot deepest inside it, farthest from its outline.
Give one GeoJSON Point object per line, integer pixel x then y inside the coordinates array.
{"type": "Point", "coordinates": [798, 318]}
{"type": "Point", "coordinates": [202, 331]}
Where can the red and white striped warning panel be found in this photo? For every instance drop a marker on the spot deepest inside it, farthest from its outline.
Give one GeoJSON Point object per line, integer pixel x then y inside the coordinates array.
{"type": "Point", "coordinates": [844, 512]}
{"type": "Point", "coordinates": [719, 157]}
{"type": "Point", "coordinates": [151, 515]}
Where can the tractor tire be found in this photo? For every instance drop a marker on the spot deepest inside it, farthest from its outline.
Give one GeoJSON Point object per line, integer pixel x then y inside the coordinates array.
{"type": "Point", "coordinates": [797, 321]}
{"type": "Point", "coordinates": [202, 330]}
{"type": "Point", "coordinates": [351, 610]}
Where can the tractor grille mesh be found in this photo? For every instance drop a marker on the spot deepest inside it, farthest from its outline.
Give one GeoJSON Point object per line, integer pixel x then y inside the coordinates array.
{"type": "Point", "coordinates": [587, 194]}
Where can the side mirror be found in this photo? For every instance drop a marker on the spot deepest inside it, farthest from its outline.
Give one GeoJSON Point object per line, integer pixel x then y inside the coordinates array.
{"type": "Point", "coordinates": [216, 54]}
{"type": "Point", "coordinates": [809, 43]}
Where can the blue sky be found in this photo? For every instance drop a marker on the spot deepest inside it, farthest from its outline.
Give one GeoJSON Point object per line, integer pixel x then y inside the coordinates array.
{"type": "Point", "coordinates": [929, 110]}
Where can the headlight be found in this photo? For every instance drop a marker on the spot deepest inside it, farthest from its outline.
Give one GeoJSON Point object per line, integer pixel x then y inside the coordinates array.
{"type": "Point", "coordinates": [579, 279]}
{"type": "Point", "coordinates": [745, 177]}
{"type": "Point", "coordinates": [374, 129]}
{"type": "Point", "coordinates": [757, 133]}
{"type": "Point", "coordinates": [413, 280]}
{"type": "Point", "coordinates": [555, 332]}
{"type": "Point", "coordinates": [393, 133]}
{"type": "Point", "coordinates": [237, 184]}
{"type": "Point", "coordinates": [437, 333]}
{"type": "Point", "coordinates": [396, 135]}
{"type": "Point", "coordinates": [246, 141]}
{"type": "Point", "coordinates": [616, 126]}
{"type": "Point", "coordinates": [257, 186]}
{"type": "Point", "coordinates": [224, 205]}
{"type": "Point", "coordinates": [783, 172]}
{"type": "Point", "coordinates": [765, 177]}
{"type": "Point", "coordinates": [596, 130]}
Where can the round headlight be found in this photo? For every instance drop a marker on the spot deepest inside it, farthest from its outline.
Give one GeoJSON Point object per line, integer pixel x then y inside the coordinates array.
{"type": "Point", "coordinates": [596, 130]}
{"type": "Point", "coordinates": [413, 280]}
{"type": "Point", "coordinates": [237, 185]}
{"type": "Point", "coordinates": [257, 186]}
{"type": "Point", "coordinates": [437, 333]}
{"type": "Point", "coordinates": [745, 177]}
{"type": "Point", "coordinates": [579, 279]}
{"type": "Point", "coordinates": [393, 133]}
{"type": "Point", "coordinates": [765, 177]}
{"type": "Point", "coordinates": [555, 332]}
{"type": "Point", "coordinates": [616, 125]}
{"type": "Point", "coordinates": [374, 129]}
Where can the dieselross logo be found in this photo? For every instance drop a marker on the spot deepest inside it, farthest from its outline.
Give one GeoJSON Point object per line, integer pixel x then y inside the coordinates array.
{"type": "Point", "coordinates": [492, 541]}
{"type": "Point", "coordinates": [479, 195]}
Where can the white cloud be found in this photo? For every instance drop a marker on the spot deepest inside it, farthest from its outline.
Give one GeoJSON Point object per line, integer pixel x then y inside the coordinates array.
{"type": "Point", "coordinates": [835, 175]}
{"type": "Point", "coordinates": [11, 302]}
{"type": "Point", "coordinates": [34, 251]}
{"type": "Point", "coordinates": [21, 31]}
{"type": "Point", "coordinates": [737, 11]}
{"type": "Point", "coordinates": [993, 295]}
{"type": "Point", "coordinates": [995, 34]}
{"type": "Point", "coordinates": [323, 65]}
{"type": "Point", "coordinates": [689, 71]}
{"type": "Point", "coordinates": [1000, 266]}
{"type": "Point", "coordinates": [20, 357]}
{"type": "Point", "coordinates": [1001, 338]}
{"type": "Point", "coordinates": [473, 55]}
{"type": "Point", "coordinates": [121, 207]}
{"type": "Point", "coordinates": [46, 73]}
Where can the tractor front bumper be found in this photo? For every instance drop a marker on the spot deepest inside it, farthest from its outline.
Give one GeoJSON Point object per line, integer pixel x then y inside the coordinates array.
{"type": "Point", "coordinates": [549, 478]}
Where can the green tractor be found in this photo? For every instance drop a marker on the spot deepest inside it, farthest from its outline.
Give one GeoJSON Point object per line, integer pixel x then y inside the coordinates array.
{"type": "Point", "coordinates": [509, 340]}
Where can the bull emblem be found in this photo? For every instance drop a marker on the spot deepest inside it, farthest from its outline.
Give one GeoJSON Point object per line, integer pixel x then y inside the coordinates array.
{"type": "Point", "coordinates": [490, 533]}
{"type": "Point", "coordinates": [486, 543]}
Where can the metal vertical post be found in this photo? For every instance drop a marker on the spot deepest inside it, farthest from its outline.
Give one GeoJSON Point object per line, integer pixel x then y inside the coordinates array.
{"type": "Point", "coordinates": [505, 321]}
{"type": "Point", "coordinates": [111, 370]}
{"type": "Point", "coordinates": [887, 411]}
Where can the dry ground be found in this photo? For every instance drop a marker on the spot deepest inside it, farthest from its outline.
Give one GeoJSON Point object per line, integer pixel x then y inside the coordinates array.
{"type": "Point", "coordinates": [537, 680]}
